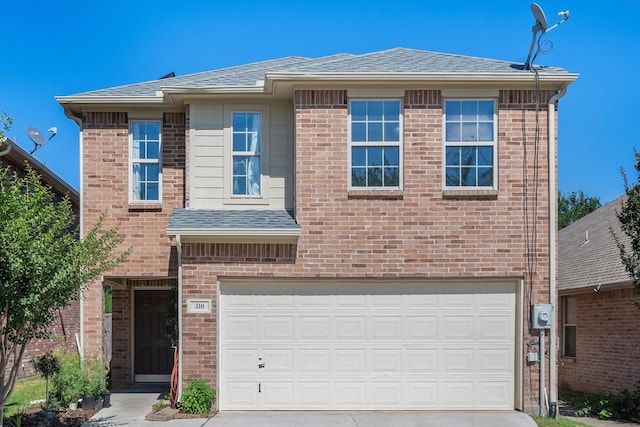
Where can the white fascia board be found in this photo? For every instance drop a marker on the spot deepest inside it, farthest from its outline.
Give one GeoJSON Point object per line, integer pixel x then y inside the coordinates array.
{"type": "Point", "coordinates": [211, 90]}
{"type": "Point", "coordinates": [528, 77]}
{"type": "Point", "coordinates": [236, 235]}
{"type": "Point", "coordinates": [65, 100]}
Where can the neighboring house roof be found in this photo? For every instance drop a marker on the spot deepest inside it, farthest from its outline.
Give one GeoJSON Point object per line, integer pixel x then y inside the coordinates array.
{"type": "Point", "coordinates": [587, 252]}
{"type": "Point", "coordinates": [387, 65]}
{"type": "Point", "coordinates": [18, 157]}
{"type": "Point", "coordinates": [233, 224]}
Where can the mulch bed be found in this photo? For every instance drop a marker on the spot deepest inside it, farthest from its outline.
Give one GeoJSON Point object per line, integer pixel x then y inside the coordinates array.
{"type": "Point", "coordinates": [59, 417]}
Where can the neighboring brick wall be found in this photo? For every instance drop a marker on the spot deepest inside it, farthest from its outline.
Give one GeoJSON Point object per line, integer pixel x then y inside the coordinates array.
{"type": "Point", "coordinates": [607, 343]}
{"type": "Point", "coordinates": [105, 154]}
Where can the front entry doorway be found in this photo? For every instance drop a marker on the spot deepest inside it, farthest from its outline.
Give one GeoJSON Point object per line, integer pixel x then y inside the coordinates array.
{"type": "Point", "coordinates": [153, 357]}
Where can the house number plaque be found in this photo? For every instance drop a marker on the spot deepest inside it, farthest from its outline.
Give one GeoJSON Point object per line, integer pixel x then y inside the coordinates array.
{"type": "Point", "coordinates": [199, 306]}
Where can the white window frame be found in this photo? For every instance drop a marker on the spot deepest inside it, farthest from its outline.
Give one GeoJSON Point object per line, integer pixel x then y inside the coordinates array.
{"type": "Point", "coordinates": [493, 144]}
{"type": "Point", "coordinates": [566, 323]}
{"type": "Point", "coordinates": [399, 144]}
{"type": "Point", "coordinates": [248, 199]}
{"type": "Point", "coordinates": [133, 162]}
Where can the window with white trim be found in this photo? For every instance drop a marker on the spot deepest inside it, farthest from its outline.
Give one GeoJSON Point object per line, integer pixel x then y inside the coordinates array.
{"type": "Point", "coordinates": [569, 327]}
{"type": "Point", "coordinates": [375, 144]}
{"type": "Point", "coordinates": [146, 179]}
{"type": "Point", "coordinates": [470, 143]}
{"type": "Point", "coordinates": [246, 153]}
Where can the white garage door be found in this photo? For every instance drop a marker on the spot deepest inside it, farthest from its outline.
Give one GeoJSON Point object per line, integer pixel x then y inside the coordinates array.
{"type": "Point", "coordinates": [367, 346]}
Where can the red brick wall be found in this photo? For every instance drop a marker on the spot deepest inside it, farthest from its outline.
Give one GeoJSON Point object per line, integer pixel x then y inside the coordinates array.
{"type": "Point", "coordinates": [418, 233]}
{"type": "Point", "coordinates": [607, 343]}
{"type": "Point", "coordinates": [105, 155]}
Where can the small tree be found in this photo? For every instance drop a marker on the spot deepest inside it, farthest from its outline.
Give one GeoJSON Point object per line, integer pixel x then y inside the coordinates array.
{"type": "Point", "coordinates": [47, 365]}
{"type": "Point", "coordinates": [629, 217]}
{"type": "Point", "coordinates": [573, 206]}
{"type": "Point", "coordinates": [43, 265]}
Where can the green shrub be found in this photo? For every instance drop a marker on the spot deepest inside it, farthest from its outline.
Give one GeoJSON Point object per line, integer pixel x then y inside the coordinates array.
{"type": "Point", "coordinates": [70, 382]}
{"type": "Point", "coordinates": [605, 405]}
{"type": "Point", "coordinates": [96, 377]}
{"type": "Point", "coordinates": [197, 398]}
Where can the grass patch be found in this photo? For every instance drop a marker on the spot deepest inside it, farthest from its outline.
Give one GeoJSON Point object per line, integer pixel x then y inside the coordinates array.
{"type": "Point", "coordinates": [558, 422]}
{"type": "Point", "coordinates": [24, 392]}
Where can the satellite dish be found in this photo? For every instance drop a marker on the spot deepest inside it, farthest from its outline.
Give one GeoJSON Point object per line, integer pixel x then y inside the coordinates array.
{"type": "Point", "coordinates": [541, 26]}
{"type": "Point", "coordinates": [37, 137]}
{"type": "Point", "coordinates": [538, 14]}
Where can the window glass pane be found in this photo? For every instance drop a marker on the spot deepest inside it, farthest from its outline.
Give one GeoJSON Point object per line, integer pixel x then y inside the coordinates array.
{"type": "Point", "coordinates": [485, 110]}
{"type": "Point", "coordinates": [152, 172]}
{"type": "Point", "coordinates": [374, 110]}
{"type": "Point", "coordinates": [485, 131]}
{"type": "Point", "coordinates": [485, 177]}
{"type": "Point", "coordinates": [392, 131]}
{"type": "Point", "coordinates": [358, 132]}
{"type": "Point", "coordinates": [453, 156]}
{"type": "Point", "coordinates": [468, 177]}
{"type": "Point", "coordinates": [135, 150]}
{"type": "Point", "coordinates": [253, 166]}
{"type": "Point", "coordinates": [374, 156]}
{"type": "Point", "coordinates": [452, 110]}
{"type": "Point", "coordinates": [253, 122]}
{"type": "Point", "coordinates": [469, 132]}
{"type": "Point", "coordinates": [391, 110]}
{"type": "Point", "coordinates": [152, 191]}
{"type": "Point", "coordinates": [153, 130]}
{"type": "Point", "coordinates": [152, 150]}
{"type": "Point", "coordinates": [239, 122]}
{"type": "Point", "coordinates": [570, 341]}
{"type": "Point", "coordinates": [358, 110]}
{"type": "Point", "coordinates": [253, 187]}
{"type": "Point", "coordinates": [453, 132]}
{"type": "Point", "coordinates": [485, 156]}
{"type": "Point", "coordinates": [469, 111]}
{"type": "Point", "coordinates": [391, 177]}
{"type": "Point", "coordinates": [358, 156]}
{"type": "Point", "coordinates": [375, 132]}
{"type": "Point", "coordinates": [138, 130]}
{"type": "Point", "coordinates": [239, 142]}
{"type": "Point", "coordinates": [239, 185]}
{"type": "Point", "coordinates": [468, 156]}
{"type": "Point", "coordinates": [253, 142]}
{"type": "Point", "coordinates": [453, 177]}
{"type": "Point", "coordinates": [239, 165]}
{"type": "Point", "coordinates": [570, 310]}
{"type": "Point", "coordinates": [391, 156]}
{"type": "Point", "coordinates": [374, 176]}
{"type": "Point", "coordinates": [358, 177]}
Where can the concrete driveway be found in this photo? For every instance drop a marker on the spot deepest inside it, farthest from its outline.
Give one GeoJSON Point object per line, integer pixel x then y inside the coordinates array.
{"type": "Point", "coordinates": [371, 419]}
{"type": "Point", "coordinates": [129, 409]}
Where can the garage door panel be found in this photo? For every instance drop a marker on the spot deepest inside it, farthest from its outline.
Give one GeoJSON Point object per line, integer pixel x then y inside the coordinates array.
{"type": "Point", "coordinates": [350, 361]}
{"type": "Point", "coordinates": [421, 328]}
{"type": "Point", "coordinates": [359, 346]}
{"type": "Point", "coordinates": [314, 328]}
{"type": "Point", "coordinates": [350, 328]}
{"type": "Point", "coordinates": [423, 360]}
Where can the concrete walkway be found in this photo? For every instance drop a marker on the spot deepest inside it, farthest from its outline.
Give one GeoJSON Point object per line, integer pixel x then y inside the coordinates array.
{"type": "Point", "coordinates": [130, 409]}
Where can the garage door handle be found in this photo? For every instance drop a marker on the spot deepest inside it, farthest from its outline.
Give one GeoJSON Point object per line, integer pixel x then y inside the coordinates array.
{"type": "Point", "coordinates": [260, 365]}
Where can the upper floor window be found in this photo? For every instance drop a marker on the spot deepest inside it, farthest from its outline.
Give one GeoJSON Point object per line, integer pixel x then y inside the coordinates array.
{"type": "Point", "coordinates": [569, 326]}
{"type": "Point", "coordinates": [470, 143]}
{"type": "Point", "coordinates": [375, 144]}
{"type": "Point", "coordinates": [246, 153]}
{"type": "Point", "coordinates": [145, 181]}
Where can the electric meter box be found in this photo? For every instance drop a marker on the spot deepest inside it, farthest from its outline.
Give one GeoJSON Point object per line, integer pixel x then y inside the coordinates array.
{"type": "Point", "coordinates": [541, 316]}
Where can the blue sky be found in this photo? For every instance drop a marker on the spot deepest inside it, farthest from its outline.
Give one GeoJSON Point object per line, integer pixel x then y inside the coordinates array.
{"type": "Point", "coordinates": [54, 47]}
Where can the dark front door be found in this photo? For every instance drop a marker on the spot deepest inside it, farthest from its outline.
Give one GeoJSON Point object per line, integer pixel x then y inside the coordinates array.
{"type": "Point", "coordinates": [153, 354]}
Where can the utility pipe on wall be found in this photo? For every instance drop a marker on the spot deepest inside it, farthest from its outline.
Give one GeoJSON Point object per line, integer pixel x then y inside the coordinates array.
{"type": "Point", "coordinates": [179, 250]}
{"type": "Point", "coordinates": [553, 214]}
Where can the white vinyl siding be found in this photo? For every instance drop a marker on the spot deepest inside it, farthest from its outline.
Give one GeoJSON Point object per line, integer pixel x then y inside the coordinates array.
{"type": "Point", "coordinates": [210, 164]}
{"type": "Point", "coordinates": [350, 346]}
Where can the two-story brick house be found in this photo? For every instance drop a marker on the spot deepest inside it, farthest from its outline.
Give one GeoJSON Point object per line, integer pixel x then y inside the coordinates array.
{"type": "Point", "coordinates": [346, 232]}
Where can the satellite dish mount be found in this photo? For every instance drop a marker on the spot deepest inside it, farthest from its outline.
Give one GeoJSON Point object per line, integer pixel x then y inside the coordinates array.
{"type": "Point", "coordinates": [37, 137]}
{"type": "Point", "coordinates": [540, 26]}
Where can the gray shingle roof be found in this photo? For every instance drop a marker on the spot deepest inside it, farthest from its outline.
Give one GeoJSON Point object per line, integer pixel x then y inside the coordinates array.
{"type": "Point", "coordinates": [212, 220]}
{"type": "Point", "coordinates": [596, 261]}
{"type": "Point", "coordinates": [398, 60]}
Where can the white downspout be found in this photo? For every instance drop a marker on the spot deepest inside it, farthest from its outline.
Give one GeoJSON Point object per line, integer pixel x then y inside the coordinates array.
{"type": "Point", "coordinates": [553, 214]}
{"type": "Point", "coordinates": [179, 249]}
